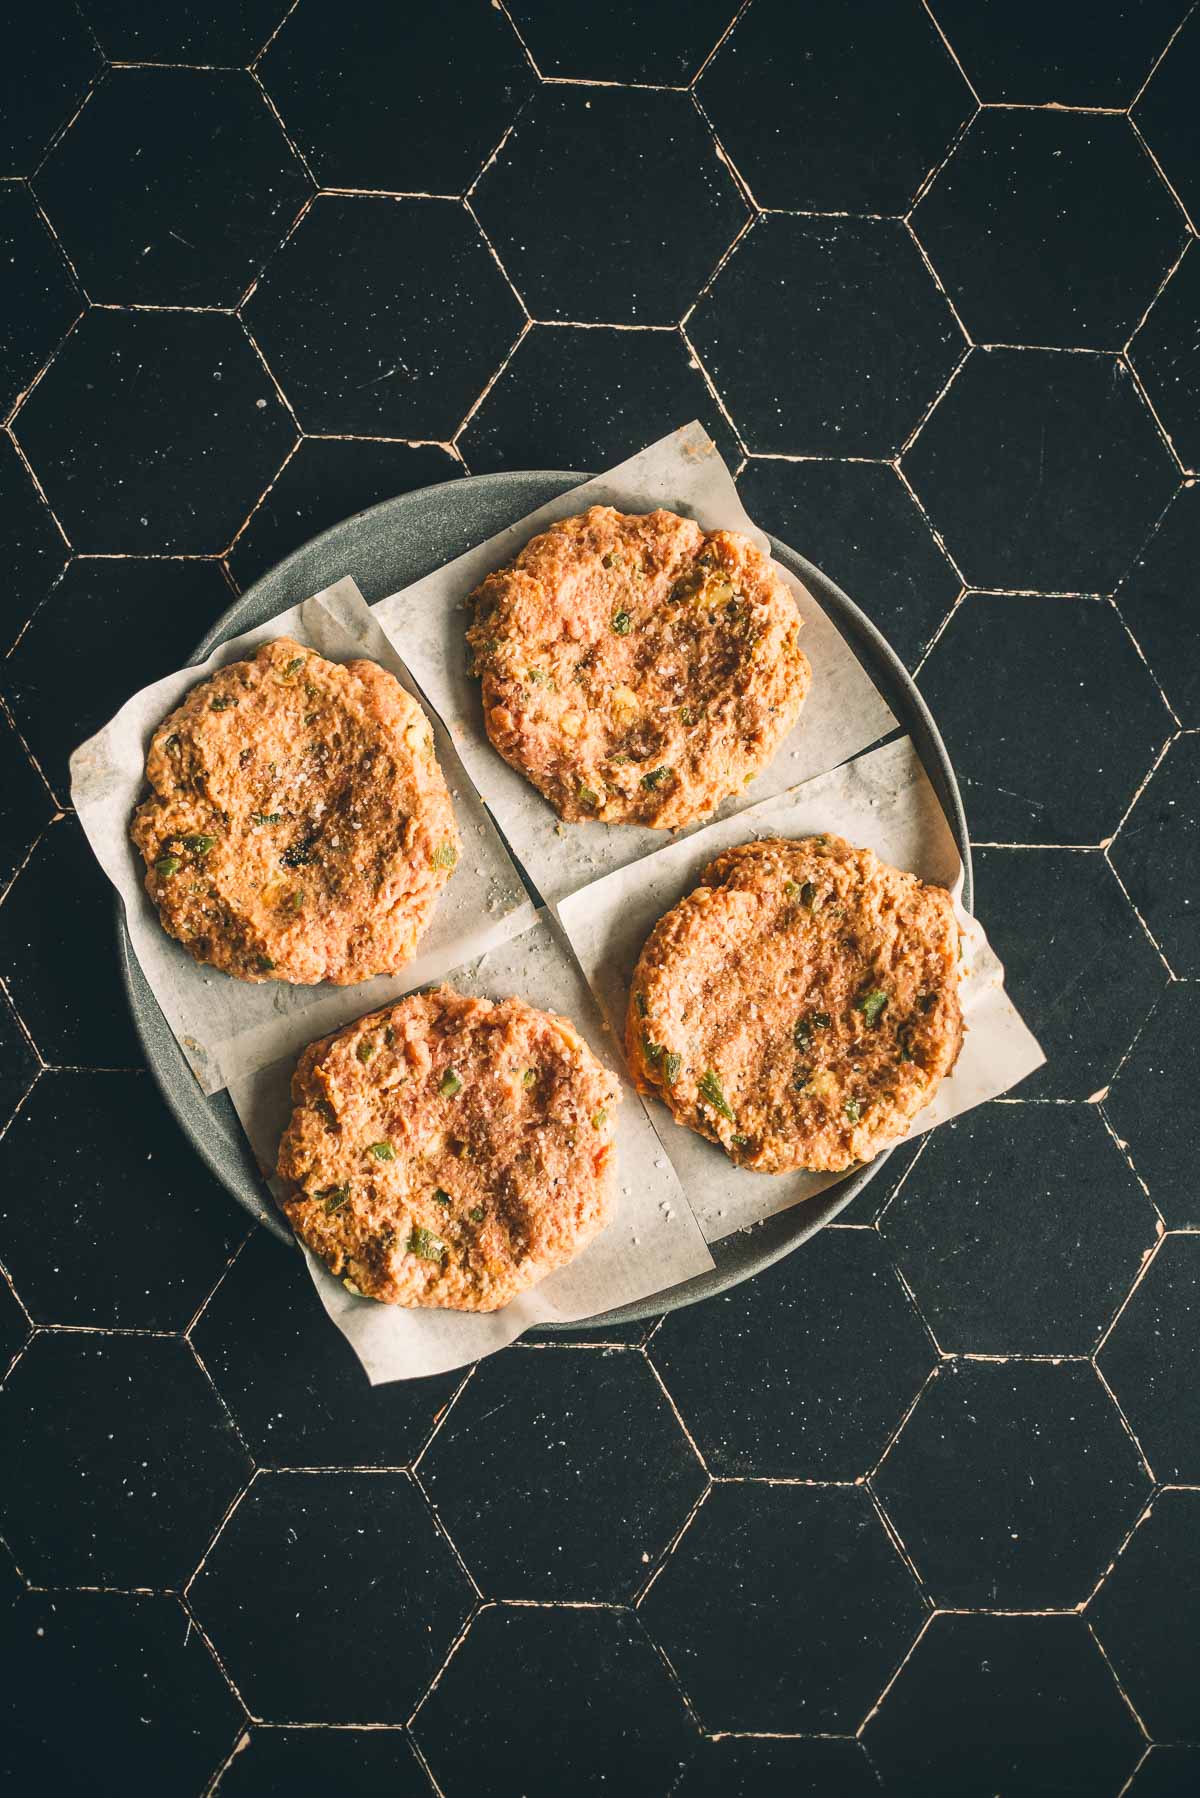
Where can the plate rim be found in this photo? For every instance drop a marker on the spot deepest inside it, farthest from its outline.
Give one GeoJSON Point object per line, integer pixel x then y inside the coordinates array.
{"type": "Point", "coordinates": [763, 1244]}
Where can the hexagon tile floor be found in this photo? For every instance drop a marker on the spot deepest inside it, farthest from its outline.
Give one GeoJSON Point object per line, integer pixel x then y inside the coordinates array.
{"type": "Point", "coordinates": [919, 1510]}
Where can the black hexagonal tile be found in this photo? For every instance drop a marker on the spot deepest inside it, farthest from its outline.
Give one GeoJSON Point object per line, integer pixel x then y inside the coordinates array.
{"type": "Point", "coordinates": [870, 1203]}
{"type": "Point", "coordinates": [1019, 51]}
{"type": "Point", "coordinates": [328, 479]}
{"type": "Point", "coordinates": [841, 363]}
{"type": "Point", "coordinates": [154, 431]}
{"type": "Point", "coordinates": [622, 41]}
{"type": "Point", "coordinates": [172, 187]}
{"type": "Point", "coordinates": [1167, 1773]}
{"type": "Point", "coordinates": [1155, 600]}
{"type": "Point", "coordinates": [1152, 1360]}
{"type": "Point", "coordinates": [603, 1478]}
{"type": "Point", "coordinates": [33, 543]}
{"type": "Point", "coordinates": [786, 81]}
{"type": "Point", "coordinates": [1147, 1615]}
{"type": "Point", "coordinates": [1143, 1105]}
{"type": "Point", "coordinates": [18, 1063]}
{"type": "Point", "coordinates": [121, 1460]}
{"type": "Point", "coordinates": [991, 1705]}
{"type": "Point", "coordinates": [41, 298]}
{"type": "Point", "coordinates": [1165, 114]}
{"type": "Point", "coordinates": [1012, 1484]}
{"type": "Point", "coordinates": [297, 1390]}
{"type": "Point", "coordinates": [1042, 469]}
{"type": "Point", "coordinates": [25, 804]}
{"type": "Point", "coordinates": [827, 1343]}
{"type": "Point", "coordinates": [313, 1763]}
{"type": "Point", "coordinates": [587, 399]}
{"type": "Point", "coordinates": [858, 522]}
{"type": "Point", "coordinates": [1020, 1230]}
{"type": "Point", "coordinates": [130, 1228]}
{"type": "Point", "coordinates": [55, 921]}
{"type": "Point", "coordinates": [626, 254]}
{"type": "Point", "coordinates": [105, 1693]}
{"type": "Point", "coordinates": [52, 58]}
{"type": "Point", "coordinates": [228, 32]}
{"type": "Point", "coordinates": [784, 1609]}
{"type": "Point", "coordinates": [606, 1715]}
{"type": "Point", "coordinates": [354, 1564]}
{"type": "Point", "coordinates": [1166, 354]}
{"type": "Point", "coordinates": [1078, 964]}
{"type": "Point", "coordinates": [1018, 226]}
{"type": "Point", "coordinates": [359, 348]}
{"type": "Point", "coordinates": [1155, 856]}
{"type": "Point", "coordinates": [779, 1767]}
{"type": "Point", "coordinates": [14, 1325]}
{"type": "Point", "coordinates": [401, 99]}
{"type": "Point", "coordinates": [1053, 745]}
{"type": "Point", "coordinates": [63, 679]}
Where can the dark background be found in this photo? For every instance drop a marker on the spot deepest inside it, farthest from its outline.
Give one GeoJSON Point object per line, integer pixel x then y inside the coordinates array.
{"type": "Point", "coordinates": [919, 1508]}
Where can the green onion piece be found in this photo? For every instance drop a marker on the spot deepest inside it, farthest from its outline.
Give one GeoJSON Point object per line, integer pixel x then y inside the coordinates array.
{"type": "Point", "coordinates": [600, 1118]}
{"type": "Point", "coordinates": [639, 1000]}
{"type": "Point", "coordinates": [294, 666]}
{"type": "Point", "coordinates": [451, 1084]}
{"type": "Point", "coordinates": [671, 1068]}
{"type": "Point", "coordinates": [382, 1151]}
{"type": "Point", "coordinates": [536, 676]}
{"type": "Point", "coordinates": [334, 1198]}
{"type": "Point", "coordinates": [476, 1214]}
{"type": "Point", "coordinates": [222, 702]}
{"type": "Point", "coordinates": [325, 1110]}
{"type": "Point", "coordinates": [813, 1020]}
{"type": "Point", "coordinates": [529, 1077]}
{"type": "Point", "coordinates": [739, 1142]}
{"type": "Point", "coordinates": [264, 964]}
{"type": "Point", "coordinates": [652, 1051]}
{"type": "Point", "coordinates": [621, 622]}
{"type": "Point", "coordinates": [854, 1110]}
{"type": "Point", "coordinates": [444, 856]}
{"type": "Point", "coordinates": [266, 817]}
{"type": "Point", "coordinates": [791, 889]}
{"type": "Point", "coordinates": [808, 895]}
{"type": "Point", "coordinates": [389, 1038]}
{"type": "Point", "coordinates": [166, 865]}
{"type": "Point", "coordinates": [441, 1195]}
{"type": "Point", "coordinates": [365, 1049]}
{"type": "Point", "coordinates": [871, 1004]}
{"type": "Point", "coordinates": [424, 1243]}
{"type": "Point", "coordinates": [587, 795]}
{"type": "Point", "coordinates": [295, 901]}
{"type": "Point", "coordinates": [710, 1089]}
{"type": "Point", "coordinates": [657, 776]}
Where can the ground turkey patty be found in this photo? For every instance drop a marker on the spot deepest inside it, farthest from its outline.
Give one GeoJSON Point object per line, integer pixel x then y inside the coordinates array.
{"type": "Point", "coordinates": [800, 1006]}
{"type": "Point", "coordinates": [637, 669]}
{"type": "Point", "coordinates": [300, 828]}
{"type": "Point", "coordinates": [449, 1151]}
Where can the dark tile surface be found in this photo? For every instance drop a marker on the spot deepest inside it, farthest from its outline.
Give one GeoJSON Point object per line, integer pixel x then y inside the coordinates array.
{"type": "Point", "coordinates": [1022, 52]}
{"type": "Point", "coordinates": [25, 804]}
{"type": "Point", "coordinates": [1152, 1360]}
{"type": "Point", "coordinates": [828, 1394]}
{"type": "Point", "coordinates": [861, 526]}
{"type": "Point", "coordinates": [106, 1694]}
{"type": "Point", "coordinates": [314, 1763]}
{"type": "Point", "coordinates": [623, 257]}
{"type": "Point", "coordinates": [622, 40]}
{"type": "Point", "coordinates": [785, 1609]}
{"type": "Point", "coordinates": [300, 1397]}
{"type": "Point", "coordinates": [154, 431]}
{"type": "Point", "coordinates": [1143, 1106]}
{"type": "Point", "coordinates": [52, 57]}
{"type": "Point", "coordinates": [223, 32]}
{"type": "Point", "coordinates": [1167, 1773]}
{"type": "Point", "coordinates": [14, 1325]}
{"type": "Point", "coordinates": [172, 187]}
{"type": "Point", "coordinates": [1155, 855]}
{"type": "Point", "coordinates": [357, 350]}
{"type": "Point", "coordinates": [1044, 753]}
{"type": "Point", "coordinates": [41, 297]}
{"type": "Point", "coordinates": [1011, 1485]}
{"type": "Point", "coordinates": [607, 1716]}
{"type": "Point", "coordinates": [62, 680]}
{"type": "Point", "coordinates": [401, 99]}
{"type": "Point", "coordinates": [1020, 1233]}
{"type": "Point", "coordinates": [1164, 114]}
{"type": "Point", "coordinates": [99, 1430]}
{"type": "Point", "coordinates": [1078, 964]}
{"type": "Point", "coordinates": [779, 87]}
{"type": "Point", "coordinates": [842, 363]}
{"type": "Point", "coordinates": [1018, 226]}
{"type": "Point", "coordinates": [759, 1767]}
{"type": "Point", "coordinates": [354, 1564]}
{"type": "Point", "coordinates": [1166, 354]}
{"type": "Point", "coordinates": [1043, 470]}
{"type": "Point", "coordinates": [18, 1063]}
{"type": "Point", "coordinates": [587, 399]}
{"type": "Point", "coordinates": [130, 1229]}
{"type": "Point", "coordinates": [1157, 601]}
{"type": "Point", "coordinates": [605, 1478]}
{"type": "Point", "coordinates": [33, 543]}
{"type": "Point", "coordinates": [1147, 1615]}
{"type": "Point", "coordinates": [1005, 1704]}
{"type": "Point", "coordinates": [328, 479]}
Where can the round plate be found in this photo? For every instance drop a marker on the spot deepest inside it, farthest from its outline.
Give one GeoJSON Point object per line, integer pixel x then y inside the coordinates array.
{"type": "Point", "coordinates": [386, 548]}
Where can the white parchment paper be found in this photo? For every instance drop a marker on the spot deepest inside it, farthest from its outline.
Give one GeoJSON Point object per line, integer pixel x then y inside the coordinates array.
{"type": "Point", "coordinates": [883, 801]}
{"type": "Point", "coordinates": [652, 1242]}
{"type": "Point", "coordinates": [842, 715]}
{"type": "Point", "coordinates": [228, 1028]}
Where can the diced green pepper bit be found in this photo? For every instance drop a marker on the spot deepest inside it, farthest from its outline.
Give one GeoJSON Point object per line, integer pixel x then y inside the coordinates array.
{"type": "Point", "coordinates": [812, 1020]}
{"type": "Point", "coordinates": [529, 1077]}
{"type": "Point", "coordinates": [621, 623]}
{"type": "Point", "coordinates": [739, 1142]}
{"type": "Point", "coordinates": [295, 901]}
{"type": "Point", "coordinates": [854, 1110]}
{"type": "Point", "coordinates": [451, 1084]}
{"type": "Point", "coordinates": [333, 1198]}
{"type": "Point", "coordinates": [587, 795]}
{"type": "Point", "coordinates": [652, 1051]}
{"type": "Point", "coordinates": [166, 865]}
{"type": "Point", "coordinates": [639, 1000]}
{"type": "Point", "coordinates": [444, 856]}
{"type": "Point", "coordinates": [871, 1004]}
{"type": "Point", "coordinates": [382, 1151]}
{"type": "Point", "coordinates": [266, 817]}
{"type": "Point", "coordinates": [672, 1065]}
{"type": "Point", "coordinates": [424, 1243]}
{"type": "Point", "coordinates": [294, 666]}
{"type": "Point", "coordinates": [264, 964]}
{"type": "Point", "coordinates": [710, 1089]}
{"type": "Point", "coordinates": [325, 1110]}
{"type": "Point", "coordinates": [476, 1214]}
{"type": "Point", "coordinates": [536, 676]}
{"type": "Point", "coordinates": [600, 1118]}
{"type": "Point", "coordinates": [791, 889]}
{"type": "Point", "coordinates": [222, 702]}
{"type": "Point", "coordinates": [657, 777]}
{"type": "Point", "coordinates": [441, 1196]}
{"type": "Point", "coordinates": [365, 1049]}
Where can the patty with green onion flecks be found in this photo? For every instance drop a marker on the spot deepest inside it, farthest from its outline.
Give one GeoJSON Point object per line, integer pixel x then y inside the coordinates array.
{"type": "Point", "coordinates": [449, 1151]}
{"type": "Point", "coordinates": [800, 1006]}
{"type": "Point", "coordinates": [299, 827]}
{"type": "Point", "coordinates": [637, 669]}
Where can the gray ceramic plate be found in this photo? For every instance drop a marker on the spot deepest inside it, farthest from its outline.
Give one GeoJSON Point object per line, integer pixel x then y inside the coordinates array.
{"type": "Point", "coordinates": [386, 548]}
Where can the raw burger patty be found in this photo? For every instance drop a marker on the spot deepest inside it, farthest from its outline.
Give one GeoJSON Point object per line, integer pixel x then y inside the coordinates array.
{"type": "Point", "coordinates": [636, 669]}
{"type": "Point", "coordinates": [800, 1006]}
{"type": "Point", "coordinates": [449, 1151]}
{"type": "Point", "coordinates": [300, 828]}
